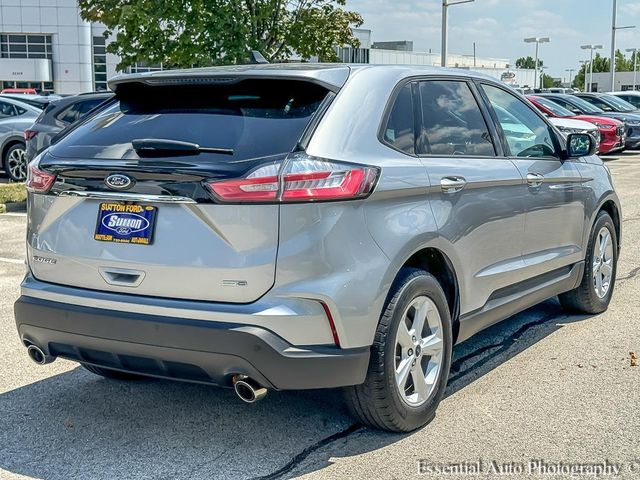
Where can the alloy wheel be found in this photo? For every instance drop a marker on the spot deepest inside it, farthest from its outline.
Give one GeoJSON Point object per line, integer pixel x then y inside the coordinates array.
{"type": "Point", "coordinates": [419, 351]}
{"type": "Point", "coordinates": [17, 164]}
{"type": "Point", "coordinates": [603, 262]}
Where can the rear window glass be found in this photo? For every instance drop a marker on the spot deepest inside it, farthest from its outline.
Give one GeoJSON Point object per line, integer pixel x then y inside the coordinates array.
{"type": "Point", "coordinates": [255, 118]}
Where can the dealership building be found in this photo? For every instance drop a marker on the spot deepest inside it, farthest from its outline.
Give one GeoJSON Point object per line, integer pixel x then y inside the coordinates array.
{"type": "Point", "coordinates": [46, 45]}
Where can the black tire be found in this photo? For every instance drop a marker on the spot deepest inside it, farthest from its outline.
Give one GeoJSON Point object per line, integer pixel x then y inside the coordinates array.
{"type": "Point", "coordinates": [584, 299]}
{"type": "Point", "coordinates": [377, 402]}
{"type": "Point", "coordinates": [112, 374]}
{"type": "Point", "coordinates": [17, 173]}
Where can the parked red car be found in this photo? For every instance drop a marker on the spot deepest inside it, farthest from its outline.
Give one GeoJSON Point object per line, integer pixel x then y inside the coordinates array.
{"type": "Point", "coordinates": [612, 131]}
{"type": "Point", "coordinates": [26, 91]}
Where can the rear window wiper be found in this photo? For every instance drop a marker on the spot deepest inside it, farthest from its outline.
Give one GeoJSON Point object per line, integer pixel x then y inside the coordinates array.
{"type": "Point", "coordinates": [160, 147]}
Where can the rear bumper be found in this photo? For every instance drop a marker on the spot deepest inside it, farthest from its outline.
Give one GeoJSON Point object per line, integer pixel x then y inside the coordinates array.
{"type": "Point", "coordinates": [184, 349]}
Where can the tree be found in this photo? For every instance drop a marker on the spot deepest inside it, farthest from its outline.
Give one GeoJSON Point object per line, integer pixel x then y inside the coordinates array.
{"type": "Point", "coordinates": [603, 64]}
{"type": "Point", "coordinates": [547, 81]}
{"type": "Point", "coordinates": [186, 33]}
{"type": "Point", "coordinates": [528, 63]}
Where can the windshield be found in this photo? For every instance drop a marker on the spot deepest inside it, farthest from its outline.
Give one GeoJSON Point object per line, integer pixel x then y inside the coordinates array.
{"type": "Point", "coordinates": [618, 103]}
{"type": "Point", "coordinates": [585, 106]}
{"type": "Point", "coordinates": [554, 108]}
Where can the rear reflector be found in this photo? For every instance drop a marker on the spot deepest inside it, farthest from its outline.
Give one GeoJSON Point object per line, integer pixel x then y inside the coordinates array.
{"type": "Point", "coordinates": [334, 331]}
{"type": "Point", "coordinates": [38, 181]}
{"type": "Point", "coordinates": [300, 179]}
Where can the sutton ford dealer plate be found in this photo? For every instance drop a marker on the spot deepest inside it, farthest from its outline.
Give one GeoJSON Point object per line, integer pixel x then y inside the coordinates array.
{"type": "Point", "coordinates": [125, 223]}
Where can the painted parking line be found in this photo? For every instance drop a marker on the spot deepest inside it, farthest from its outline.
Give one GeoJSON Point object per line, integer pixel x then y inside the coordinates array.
{"type": "Point", "coordinates": [14, 214]}
{"type": "Point", "coordinates": [12, 260]}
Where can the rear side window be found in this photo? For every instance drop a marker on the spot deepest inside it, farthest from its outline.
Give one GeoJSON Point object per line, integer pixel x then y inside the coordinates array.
{"type": "Point", "coordinates": [7, 110]}
{"type": "Point", "coordinates": [399, 131]}
{"type": "Point", "coordinates": [452, 123]}
{"type": "Point", "coordinates": [255, 118]}
{"type": "Point", "coordinates": [69, 114]}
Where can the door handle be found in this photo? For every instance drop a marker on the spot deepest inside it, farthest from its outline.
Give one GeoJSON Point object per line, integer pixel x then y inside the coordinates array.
{"type": "Point", "coordinates": [452, 184]}
{"type": "Point", "coordinates": [535, 179]}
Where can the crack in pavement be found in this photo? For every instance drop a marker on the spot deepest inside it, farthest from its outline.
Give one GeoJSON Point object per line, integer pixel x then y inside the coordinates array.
{"type": "Point", "coordinates": [300, 457]}
{"type": "Point", "coordinates": [630, 219]}
{"type": "Point", "coordinates": [502, 346]}
{"type": "Point", "coordinates": [633, 273]}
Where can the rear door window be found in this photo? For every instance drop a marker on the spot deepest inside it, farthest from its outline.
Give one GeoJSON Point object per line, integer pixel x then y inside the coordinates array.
{"type": "Point", "coordinates": [255, 118]}
{"type": "Point", "coordinates": [452, 122]}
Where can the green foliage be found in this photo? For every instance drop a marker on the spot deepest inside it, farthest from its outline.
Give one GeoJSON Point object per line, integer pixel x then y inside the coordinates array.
{"type": "Point", "coordinates": [547, 81]}
{"type": "Point", "coordinates": [186, 33]}
{"type": "Point", "coordinates": [12, 192]}
{"type": "Point", "coordinates": [603, 64]}
{"type": "Point", "coordinates": [528, 63]}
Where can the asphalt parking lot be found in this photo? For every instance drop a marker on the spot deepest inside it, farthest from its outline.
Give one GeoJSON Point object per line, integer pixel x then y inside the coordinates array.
{"type": "Point", "coordinates": [540, 386]}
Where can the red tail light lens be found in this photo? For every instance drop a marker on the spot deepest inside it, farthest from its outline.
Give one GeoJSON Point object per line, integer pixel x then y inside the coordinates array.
{"type": "Point", "coordinates": [29, 134]}
{"type": "Point", "coordinates": [38, 181]}
{"type": "Point", "coordinates": [300, 179]}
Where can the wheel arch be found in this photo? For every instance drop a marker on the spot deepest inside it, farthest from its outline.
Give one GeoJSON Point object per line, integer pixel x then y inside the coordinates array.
{"type": "Point", "coordinates": [8, 143]}
{"type": "Point", "coordinates": [613, 210]}
{"type": "Point", "coordinates": [438, 264]}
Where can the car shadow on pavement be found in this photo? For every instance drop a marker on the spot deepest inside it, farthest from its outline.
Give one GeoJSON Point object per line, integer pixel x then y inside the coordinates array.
{"type": "Point", "coordinates": [77, 425]}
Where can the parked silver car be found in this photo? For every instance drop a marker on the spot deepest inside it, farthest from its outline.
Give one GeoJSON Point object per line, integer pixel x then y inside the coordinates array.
{"type": "Point", "coordinates": [15, 117]}
{"type": "Point", "coordinates": [309, 226]}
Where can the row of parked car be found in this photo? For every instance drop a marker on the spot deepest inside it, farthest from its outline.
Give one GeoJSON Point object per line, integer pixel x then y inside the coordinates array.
{"type": "Point", "coordinates": [30, 122]}
{"type": "Point", "coordinates": [613, 119]}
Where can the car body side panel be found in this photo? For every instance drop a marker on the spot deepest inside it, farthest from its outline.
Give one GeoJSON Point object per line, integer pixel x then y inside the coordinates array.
{"type": "Point", "coordinates": [555, 215]}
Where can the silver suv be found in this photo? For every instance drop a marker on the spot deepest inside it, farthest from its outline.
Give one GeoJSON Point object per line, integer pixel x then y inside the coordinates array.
{"type": "Point", "coordinates": [308, 226]}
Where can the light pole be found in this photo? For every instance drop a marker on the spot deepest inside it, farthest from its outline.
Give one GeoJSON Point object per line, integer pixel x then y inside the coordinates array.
{"type": "Point", "coordinates": [542, 69]}
{"type": "Point", "coordinates": [592, 48]}
{"type": "Point", "coordinates": [585, 63]}
{"type": "Point", "coordinates": [614, 29]}
{"type": "Point", "coordinates": [635, 66]}
{"type": "Point", "coordinates": [445, 25]}
{"type": "Point", "coordinates": [570, 70]}
{"type": "Point", "coordinates": [537, 41]}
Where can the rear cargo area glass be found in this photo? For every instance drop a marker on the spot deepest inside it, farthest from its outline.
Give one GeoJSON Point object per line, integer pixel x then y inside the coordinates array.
{"type": "Point", "coordinates": [255, 118]}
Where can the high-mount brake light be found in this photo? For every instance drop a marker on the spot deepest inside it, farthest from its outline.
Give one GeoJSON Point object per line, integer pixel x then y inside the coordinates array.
{"type": "Point", "coordinates": [300, 179]}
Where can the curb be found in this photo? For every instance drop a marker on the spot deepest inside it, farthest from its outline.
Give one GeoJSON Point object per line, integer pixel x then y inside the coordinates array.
{"type": "Point", "coordinates": [13, 207]}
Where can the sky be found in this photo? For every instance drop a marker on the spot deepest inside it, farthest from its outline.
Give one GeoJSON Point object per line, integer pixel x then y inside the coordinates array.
{"type": "Point", "coordinates": [499, 26]}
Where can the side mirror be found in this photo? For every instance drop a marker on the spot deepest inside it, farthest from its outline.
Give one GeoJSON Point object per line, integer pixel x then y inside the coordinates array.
{"type": "Point", "coordinates": [580, 145]}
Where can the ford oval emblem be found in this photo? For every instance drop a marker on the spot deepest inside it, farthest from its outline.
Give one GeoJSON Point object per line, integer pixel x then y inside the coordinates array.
{"type": "Point", "coordinates": [118, 181]}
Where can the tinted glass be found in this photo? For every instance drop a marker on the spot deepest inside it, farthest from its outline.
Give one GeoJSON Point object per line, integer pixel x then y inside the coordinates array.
{"type": "Point", "coordinates": [553, 107]}
{"type": "Point", "coordinates": [87, 106]}
{"type": "Point", "coordinates": [6, 110]}
{"type": "Point", "coordinates": [399, 131]}
{"type": "Point", "coordinates": [632, 99]}
{"type": "Point", "coordinates": [255, 118]}
{"type": "Point", "coordinates": [526, 133]}
{"type": "Point", "coordinates": [69, 114]}
{"type": "Point", "coordinates": [619, 103]}
{"type": "Point", "coordinates": [452, 122]}
{"type": "Point", "coordinates": [583, 105]}
{"type": "Point", "coordinates": [604, 106]}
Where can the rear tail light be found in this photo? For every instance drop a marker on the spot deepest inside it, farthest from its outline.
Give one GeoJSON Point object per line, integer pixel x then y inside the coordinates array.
{"type": "Point", "coordinates": [29, 134]}
{"type": "Point", "coordinates": [38, 181]}
{"type": "Point", "coordinates": [300, 178]}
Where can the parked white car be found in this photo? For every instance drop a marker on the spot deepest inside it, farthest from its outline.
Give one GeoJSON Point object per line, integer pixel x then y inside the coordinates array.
{"type": "Point", "coordinates": [570, 125]}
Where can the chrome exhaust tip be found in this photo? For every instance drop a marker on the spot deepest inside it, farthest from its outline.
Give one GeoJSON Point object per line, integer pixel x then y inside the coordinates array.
{"type": "Point", "coordinates": [248, 390]}
{"type": "Point", "coordinates": [38, 356]}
